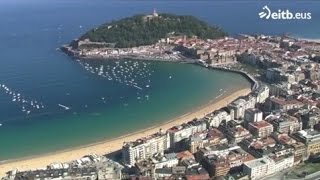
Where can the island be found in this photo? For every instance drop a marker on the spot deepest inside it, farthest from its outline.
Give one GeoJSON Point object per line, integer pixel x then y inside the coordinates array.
{"type": "Point", "coordinates": [152, 37]}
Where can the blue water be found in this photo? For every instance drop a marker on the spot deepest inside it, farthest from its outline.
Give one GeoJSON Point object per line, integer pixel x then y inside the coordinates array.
{"type": "Point", "coordinates": [31, 31]}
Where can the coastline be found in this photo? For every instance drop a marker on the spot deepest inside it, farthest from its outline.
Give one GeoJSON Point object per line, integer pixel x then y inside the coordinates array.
{"type": "Point", "coordinates": [309, 39]}
{"type": "Point", "coordinates": [112, 145]}
{"type": "Point", "coordinates": [162, 58]}
{"type": "Point", "coordinates": [316, 40]}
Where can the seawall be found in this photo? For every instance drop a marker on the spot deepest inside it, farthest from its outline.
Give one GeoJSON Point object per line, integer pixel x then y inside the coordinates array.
{"type": "Point", "coordinates": [255, 83]}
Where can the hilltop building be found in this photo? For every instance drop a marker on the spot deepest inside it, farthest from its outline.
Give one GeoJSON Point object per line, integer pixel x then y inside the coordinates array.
{"type": "Point", "coordinates": [151, 16]}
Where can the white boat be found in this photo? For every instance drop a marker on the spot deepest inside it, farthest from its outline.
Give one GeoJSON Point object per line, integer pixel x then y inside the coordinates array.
{"type": "Point", "coordinates": [137, 87]}
{"type": "Point", "coordinates": [63, 106]}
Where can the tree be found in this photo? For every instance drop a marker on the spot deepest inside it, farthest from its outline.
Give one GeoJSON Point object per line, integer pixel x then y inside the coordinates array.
{"type": "Point", "coordinates": [136, 31]}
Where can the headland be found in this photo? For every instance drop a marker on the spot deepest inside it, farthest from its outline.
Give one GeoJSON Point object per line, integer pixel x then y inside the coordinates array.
{"type": "Point", "coordinates": [147, 37]}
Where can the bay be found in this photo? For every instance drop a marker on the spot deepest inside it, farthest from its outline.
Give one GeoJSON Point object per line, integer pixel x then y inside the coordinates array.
{"type": "Point", "coordinates": [30, 64]}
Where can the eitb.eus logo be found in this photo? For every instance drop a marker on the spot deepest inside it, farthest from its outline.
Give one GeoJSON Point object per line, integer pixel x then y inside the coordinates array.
{"type": "Point", "coordinates": [266, 13]}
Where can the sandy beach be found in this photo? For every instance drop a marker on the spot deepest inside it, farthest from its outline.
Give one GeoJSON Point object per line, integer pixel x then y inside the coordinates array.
{"type": "Point", "coordinates": [112, 145]}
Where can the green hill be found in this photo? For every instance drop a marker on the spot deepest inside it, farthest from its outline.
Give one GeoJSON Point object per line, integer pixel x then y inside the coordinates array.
{"type": "Point", "coordinates": [145, 30]}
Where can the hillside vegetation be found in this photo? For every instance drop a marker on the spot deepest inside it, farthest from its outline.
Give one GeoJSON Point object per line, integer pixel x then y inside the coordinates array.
{"type": "Point", "coordinates": [139, 30]}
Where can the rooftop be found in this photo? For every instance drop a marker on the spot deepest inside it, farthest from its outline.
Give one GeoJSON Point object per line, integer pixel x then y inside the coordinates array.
{"type": "Point", "coordinates": [215, 133]}
{"type": "Point", "coordinates": [184, 155]}
{"type": "Point", "coordinates": [309, 134]}
{"type": "Point", "coordinates": [194, 122]}
{"type": "Point", "coordinates": [285, 139]}
{"type": "Point", "coordinates": [254, 110]}
{"type": "Point", "coordinates": [283, 101]}
{"type": "Point", "coordinates": [260, 124]}
{"type": "Point", "coordinates": [258, 162]}
{"type": "Point", "coordinates": [238, 102]}
{"type": "Point", "coordinates": [144, 139]}
{"type": "Point", "coordinates": [263, 143]}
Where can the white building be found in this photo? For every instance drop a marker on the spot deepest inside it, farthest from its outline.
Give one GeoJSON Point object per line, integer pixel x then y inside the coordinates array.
{"type": "Point", "coordinates": [267, 165]}
{"type": "Point", "coordinates": [259, 168]}
{"type": "Point", "coordinates": [253, 115]}
{"type": "Point", "coordinates": [221, 151]}
{"type": "Point", "coordinates": [239, 106]}
{"type": "Point", "coordinates": [184, 131]}
{"type": "Point", "coordinates": [284, 162]}
{"type": "Point", "coordinates": [109, 169]}
{"type": "Point", "coordinates": [145, 148]}
{"type": "Point", "coordinates": [262, 93]}
{"type": "Point", "coordinates": [217, 117]}
{"type": "Point", "coordinates": [251, 101]}
{"type": "Point", "coordinates": [168, 160]}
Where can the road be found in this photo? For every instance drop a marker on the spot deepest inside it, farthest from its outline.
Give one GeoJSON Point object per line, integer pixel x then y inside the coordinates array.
{"type": "Point", "coordinates": [282, 176]}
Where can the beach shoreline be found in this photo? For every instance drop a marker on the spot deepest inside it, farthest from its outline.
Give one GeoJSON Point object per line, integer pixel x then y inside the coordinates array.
{"type": "Point", "coordinates": [316, 40]}
{"type": "Point", "coordinates": [115, 144]}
